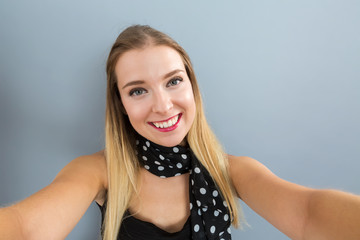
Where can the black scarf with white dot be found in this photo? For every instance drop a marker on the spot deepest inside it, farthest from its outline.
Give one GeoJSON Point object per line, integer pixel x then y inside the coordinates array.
{"type": "Point", "coordinates": [210, 218]}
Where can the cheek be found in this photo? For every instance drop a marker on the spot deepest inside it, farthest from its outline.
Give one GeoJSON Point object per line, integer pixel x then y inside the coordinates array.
{"type": "Point", "coordinates": [193, 108]}
{"type": "Point", "coordinates": [135, 112]}
{"type": "Point", "coordinates": [189, 102]}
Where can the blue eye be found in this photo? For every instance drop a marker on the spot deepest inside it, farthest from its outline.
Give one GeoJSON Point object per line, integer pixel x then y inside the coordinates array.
{"type": "Point", "coordinates": [174, 81]}
{"type": "Point", "coordinates": [137, 92]}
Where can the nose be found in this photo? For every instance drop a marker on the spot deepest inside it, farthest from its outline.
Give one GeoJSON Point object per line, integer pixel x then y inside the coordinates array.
{"type": "Point", "coordinates": [161, 102]}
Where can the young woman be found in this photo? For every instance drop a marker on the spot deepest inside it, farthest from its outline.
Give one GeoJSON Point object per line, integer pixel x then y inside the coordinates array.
{"type": "Point", "coordinates": [163, 174]}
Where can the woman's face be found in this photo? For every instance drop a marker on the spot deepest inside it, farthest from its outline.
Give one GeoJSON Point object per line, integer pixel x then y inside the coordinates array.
{"type": "Point", "coordinates": [156, 93]}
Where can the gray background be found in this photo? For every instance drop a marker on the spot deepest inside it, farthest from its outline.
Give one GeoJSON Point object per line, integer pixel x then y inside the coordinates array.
{"type": "Point", "coordinates": [280, 81]}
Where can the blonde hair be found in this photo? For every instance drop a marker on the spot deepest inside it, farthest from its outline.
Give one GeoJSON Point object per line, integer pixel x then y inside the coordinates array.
{"type": "Point", "coordinates": [122, 164]}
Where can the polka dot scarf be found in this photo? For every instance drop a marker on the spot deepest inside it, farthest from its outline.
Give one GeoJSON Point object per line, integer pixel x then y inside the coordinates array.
{"type": "Point", "coordinates": [209, 212]}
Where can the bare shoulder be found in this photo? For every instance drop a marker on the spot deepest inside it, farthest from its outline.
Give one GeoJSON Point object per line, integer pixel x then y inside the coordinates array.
{"type": "Point", "coordinates": [243, 167]}
{"type": "Point", "coordinates": [56, 209]}
{"type": "Point", "coordinates": [90, 169]}
{"type": "Point", "coordinates": [247, 172]}
{"type": "Point", "coordinates": [243, 170]}
{"type": "Point", "coordinates": [85, 166]}
{"type": "Point", "coordinates": [240, 160]}
{"type": "Point", "coordinates": [280, 202]}
{"type": "Point", "coordinates": [235, 161]}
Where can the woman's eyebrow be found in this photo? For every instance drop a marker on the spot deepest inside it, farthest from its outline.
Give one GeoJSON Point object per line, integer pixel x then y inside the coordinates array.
{"type": "Point", "coordinates": [172, 73]}
{"type": "Point", "coordinates": [137, 82]}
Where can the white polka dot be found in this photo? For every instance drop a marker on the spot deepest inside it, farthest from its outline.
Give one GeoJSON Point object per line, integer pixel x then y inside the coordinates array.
{"type": "Point", "coordinates": [191, 206]}
{"type": "Point", "coordinates": [161, 168]}
{"type": "Point", "coordinates": [161, 157]}
{"type": "Point", "coordinates": [225, 204]}
{"type": "Point", "coordinates": [199, 212]}
{"type": "Point", "coordinates": [198, 203]}
{"type": "Point", "coordinates": [206, 183]}
{"type": "Point", "coordinates": [145, 158]}
{"type": "Point", "coordinates": [178, 174]}
{"type": "Point", "coordinates": [202, 191]}
{"type": "Point", "coordinates": [196, 227]}
{"type": "Point", "coordinates": [145, 148]}
{"type": "Point", "coordinates": [192, 182]}
{"type": "Point", "coordinates": [171, 166]}
{"type": "Point", "coordinates": [215, 193]}
{"type": "Point", "coordinates": [179, 165]}
{"type": "Point", "coordinates": [147, 167]}
{"type": "Point", "coordinates": [147, 143]}
{"type": "Point", "coordinates": [226, 217]}
{"type": "Point", "coordinates": [214, 202]}
{"type": "Point", "coordinates": [229, 230]}
{"type": "Point", "coordinates": [204, 209]}
{"type": "Point", "coordinates": [184, 156]}
{"type": "Point", "coordinates": [221, 233]}
{"type": "Point", "coordinates": [212, 229]}
{"type": "Point", "coordinates": [216, 213]}
{"type": "Point", "coordinates": [137, 142]}
{"type": "Point", "coordinates": [197, 170]}
{"type": "Point", "coordinates": [162, 177]}
{"type": "Point", "coordinates": [175, 149]}
{"type": "Point", "coordinates": [157, 162]}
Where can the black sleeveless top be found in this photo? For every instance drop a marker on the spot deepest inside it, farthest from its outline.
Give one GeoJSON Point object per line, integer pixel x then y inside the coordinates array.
{"type": "Point", "coordinates": [136, 229]}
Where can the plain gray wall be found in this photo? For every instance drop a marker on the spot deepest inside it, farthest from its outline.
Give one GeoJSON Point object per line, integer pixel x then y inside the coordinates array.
{"type": "Point", "coordinates": [280, 81]}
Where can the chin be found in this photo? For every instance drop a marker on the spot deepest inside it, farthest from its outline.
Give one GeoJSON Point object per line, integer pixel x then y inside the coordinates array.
{"type": "Point", "coordinates": [170, 141]}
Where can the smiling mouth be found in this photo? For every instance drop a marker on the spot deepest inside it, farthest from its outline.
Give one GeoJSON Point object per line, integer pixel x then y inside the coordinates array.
{"type": "Point", "coordinates": [168, 124]}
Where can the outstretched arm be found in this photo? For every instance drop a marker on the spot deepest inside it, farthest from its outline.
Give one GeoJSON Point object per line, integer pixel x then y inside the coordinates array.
{"type": "Point", "coordinates": [297, 211]}
{"type": "Point", "coordinates": [332, 215]}
{"type": "Point", "coordinates": [10, 224]}
{"type": "Point", "coordinates": [53, 212]}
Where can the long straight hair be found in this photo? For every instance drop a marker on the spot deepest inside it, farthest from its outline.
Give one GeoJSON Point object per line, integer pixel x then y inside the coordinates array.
{"type": "Point", "coordinates": [122, 164]}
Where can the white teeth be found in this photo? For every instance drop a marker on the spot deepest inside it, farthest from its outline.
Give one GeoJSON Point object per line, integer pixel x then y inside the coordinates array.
{"type": "Point", "coordinates": [167, 124]}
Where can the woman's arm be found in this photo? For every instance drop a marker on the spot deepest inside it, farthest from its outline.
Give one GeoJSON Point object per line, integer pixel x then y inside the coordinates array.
{"type": "Point", "coordinates": [297, 211]}
{"type": "Point", "coordinates": [9, 224]}
{"type": "Point", "coordinates": [333, 215]}
{"type": "Point", "coordinates": [53, 212]}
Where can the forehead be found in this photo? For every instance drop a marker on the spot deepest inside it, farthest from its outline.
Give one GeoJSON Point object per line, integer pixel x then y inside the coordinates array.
{"type": "Point", "coordinates": [148, 63]}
